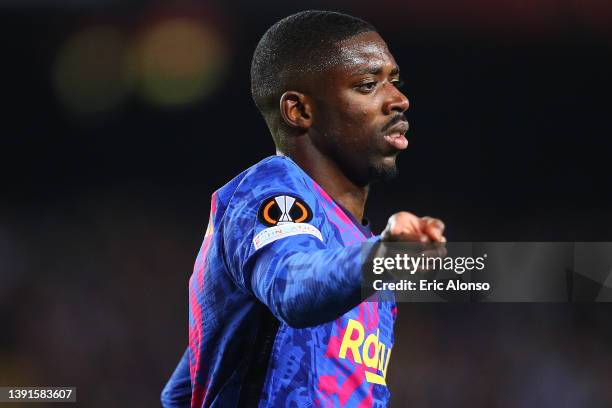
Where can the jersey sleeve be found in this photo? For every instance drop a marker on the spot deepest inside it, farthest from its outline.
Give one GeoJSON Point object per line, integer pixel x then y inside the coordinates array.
{"type": "Point", "coordinates": [305, 285]}
{"type": "Point", "coordinates": [177, 392]}
{"type": "Point", "coordinates": [275, 245]}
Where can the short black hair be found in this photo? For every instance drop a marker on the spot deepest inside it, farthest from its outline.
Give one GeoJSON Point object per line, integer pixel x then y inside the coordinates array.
{"type": "Point", "coordinates": [300, 43]}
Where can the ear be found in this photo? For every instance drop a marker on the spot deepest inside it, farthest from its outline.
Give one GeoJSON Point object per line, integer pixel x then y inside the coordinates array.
{"type": "Point", "coordinates": [296, 109]}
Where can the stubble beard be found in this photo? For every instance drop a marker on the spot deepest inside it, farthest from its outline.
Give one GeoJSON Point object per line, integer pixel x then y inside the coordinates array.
{"type": "Point", "coordinates": [379, 171]}
{"type": "Point", "coordinates": [381, 166]}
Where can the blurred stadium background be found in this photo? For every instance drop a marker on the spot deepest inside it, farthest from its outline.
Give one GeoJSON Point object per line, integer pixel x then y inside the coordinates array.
{"type": "Point", "coordinates": [121, 118]}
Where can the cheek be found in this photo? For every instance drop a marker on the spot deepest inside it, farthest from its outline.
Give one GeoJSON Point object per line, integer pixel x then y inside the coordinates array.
{"type": "Point", "coordinates": [355, 113]}
{"type": "Point", "coordinates": [352, 119]}
{"type": "Point", "coordinates": [361, 119]}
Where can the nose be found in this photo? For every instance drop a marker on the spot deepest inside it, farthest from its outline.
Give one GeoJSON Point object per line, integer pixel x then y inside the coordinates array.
{"type": "Point", "coordinates": [396, 101]}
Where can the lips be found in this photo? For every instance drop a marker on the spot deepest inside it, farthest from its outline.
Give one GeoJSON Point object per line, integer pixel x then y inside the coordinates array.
{"type": "Point", "coordinates": [395, 135]}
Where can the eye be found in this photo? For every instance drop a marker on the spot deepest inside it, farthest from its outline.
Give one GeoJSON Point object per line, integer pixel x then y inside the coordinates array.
{"type": "Point", "coordinates": [366, 87]}
{"type": "Point", "coordinates": [398, 83]}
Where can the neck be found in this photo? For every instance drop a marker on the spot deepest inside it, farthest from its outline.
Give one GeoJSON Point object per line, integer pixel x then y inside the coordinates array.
{"type": "Point", "coordinates": [330, 177]}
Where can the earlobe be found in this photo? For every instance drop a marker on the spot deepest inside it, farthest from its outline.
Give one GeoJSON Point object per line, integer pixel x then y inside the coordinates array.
{"type": "Point", "coordinates": [295, 109]}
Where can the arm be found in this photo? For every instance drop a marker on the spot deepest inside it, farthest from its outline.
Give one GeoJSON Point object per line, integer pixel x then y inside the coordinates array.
{"type": "Point", "coordinates": [308, 287]}
{"type": "Point", "coordinates": [316, 285]}
{"type": "Point", "coordinates": [293, 272]}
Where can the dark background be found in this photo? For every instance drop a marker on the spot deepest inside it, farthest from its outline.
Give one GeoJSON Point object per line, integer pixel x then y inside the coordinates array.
{"type": "Point", "coordinates": [119, 121]}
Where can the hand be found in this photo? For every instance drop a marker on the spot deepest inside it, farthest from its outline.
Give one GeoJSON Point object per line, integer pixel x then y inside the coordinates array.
{"type": "Point", "coordinates": [403, 226]}
{"type": "Point", "coordinates": [407, 227]}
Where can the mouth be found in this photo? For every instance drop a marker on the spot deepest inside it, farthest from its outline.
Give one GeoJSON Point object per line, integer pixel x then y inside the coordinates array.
{"type": "Point", "coordinates": [395, 135]}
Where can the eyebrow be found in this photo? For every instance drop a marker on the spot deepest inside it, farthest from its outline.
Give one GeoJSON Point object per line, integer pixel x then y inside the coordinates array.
{"type": "Point", "coordinates": [375, 70]}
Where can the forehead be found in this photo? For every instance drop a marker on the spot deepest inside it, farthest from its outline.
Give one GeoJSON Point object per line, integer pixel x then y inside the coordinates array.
{"type": "Point", "coordinates": [365, 50]}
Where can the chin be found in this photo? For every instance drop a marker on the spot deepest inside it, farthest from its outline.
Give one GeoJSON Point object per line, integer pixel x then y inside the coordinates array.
{"type": "Point", "coordinates": [383, 170]}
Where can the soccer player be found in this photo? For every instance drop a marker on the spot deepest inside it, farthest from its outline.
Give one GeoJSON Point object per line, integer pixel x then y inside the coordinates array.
{"type": "Point", "coordinates": [276, 311]}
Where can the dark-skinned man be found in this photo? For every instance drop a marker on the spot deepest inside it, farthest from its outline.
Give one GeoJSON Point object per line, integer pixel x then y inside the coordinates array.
{"type": "Point", "coordinates": [277, 315]}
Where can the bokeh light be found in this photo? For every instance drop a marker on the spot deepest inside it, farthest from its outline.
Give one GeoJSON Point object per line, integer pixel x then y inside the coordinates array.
{"type": "Point", "coordinates": [91, 71]}
{"type": "Point", "coordinates": [180, 61]}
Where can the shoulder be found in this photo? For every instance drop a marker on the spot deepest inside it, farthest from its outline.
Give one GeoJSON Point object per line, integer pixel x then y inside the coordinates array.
{"type": "Point", "coordinates": [274, 172]}
{"type": "Point", "coordinates": [274, 195]}
{"type": "Point", "coordinates": [272, 177]}
{"type": "Point", "coordinates": [272, 200]}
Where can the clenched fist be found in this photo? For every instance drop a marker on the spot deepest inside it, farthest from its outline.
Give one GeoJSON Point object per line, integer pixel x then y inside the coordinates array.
{"type": "Point", "coordinates": [407, 227]}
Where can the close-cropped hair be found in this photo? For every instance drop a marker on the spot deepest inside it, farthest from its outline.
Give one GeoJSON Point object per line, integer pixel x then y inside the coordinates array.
{"type": "Point", "coordinates": [299, 44]}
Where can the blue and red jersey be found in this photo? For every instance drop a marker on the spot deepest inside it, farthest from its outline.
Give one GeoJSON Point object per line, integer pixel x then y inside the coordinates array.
{"type": "Point", "coordinates": [276, 316]}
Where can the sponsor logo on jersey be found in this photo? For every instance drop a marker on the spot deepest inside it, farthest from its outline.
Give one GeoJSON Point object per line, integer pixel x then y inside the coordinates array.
{"type": "Point", "coordinates": [283, 209]}
{"type": "Point", "coordinates": [369, 351]}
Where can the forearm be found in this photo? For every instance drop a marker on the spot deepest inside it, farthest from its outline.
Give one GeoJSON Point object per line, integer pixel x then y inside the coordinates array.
{"type": "Point", "coordinates": [310, 288]}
